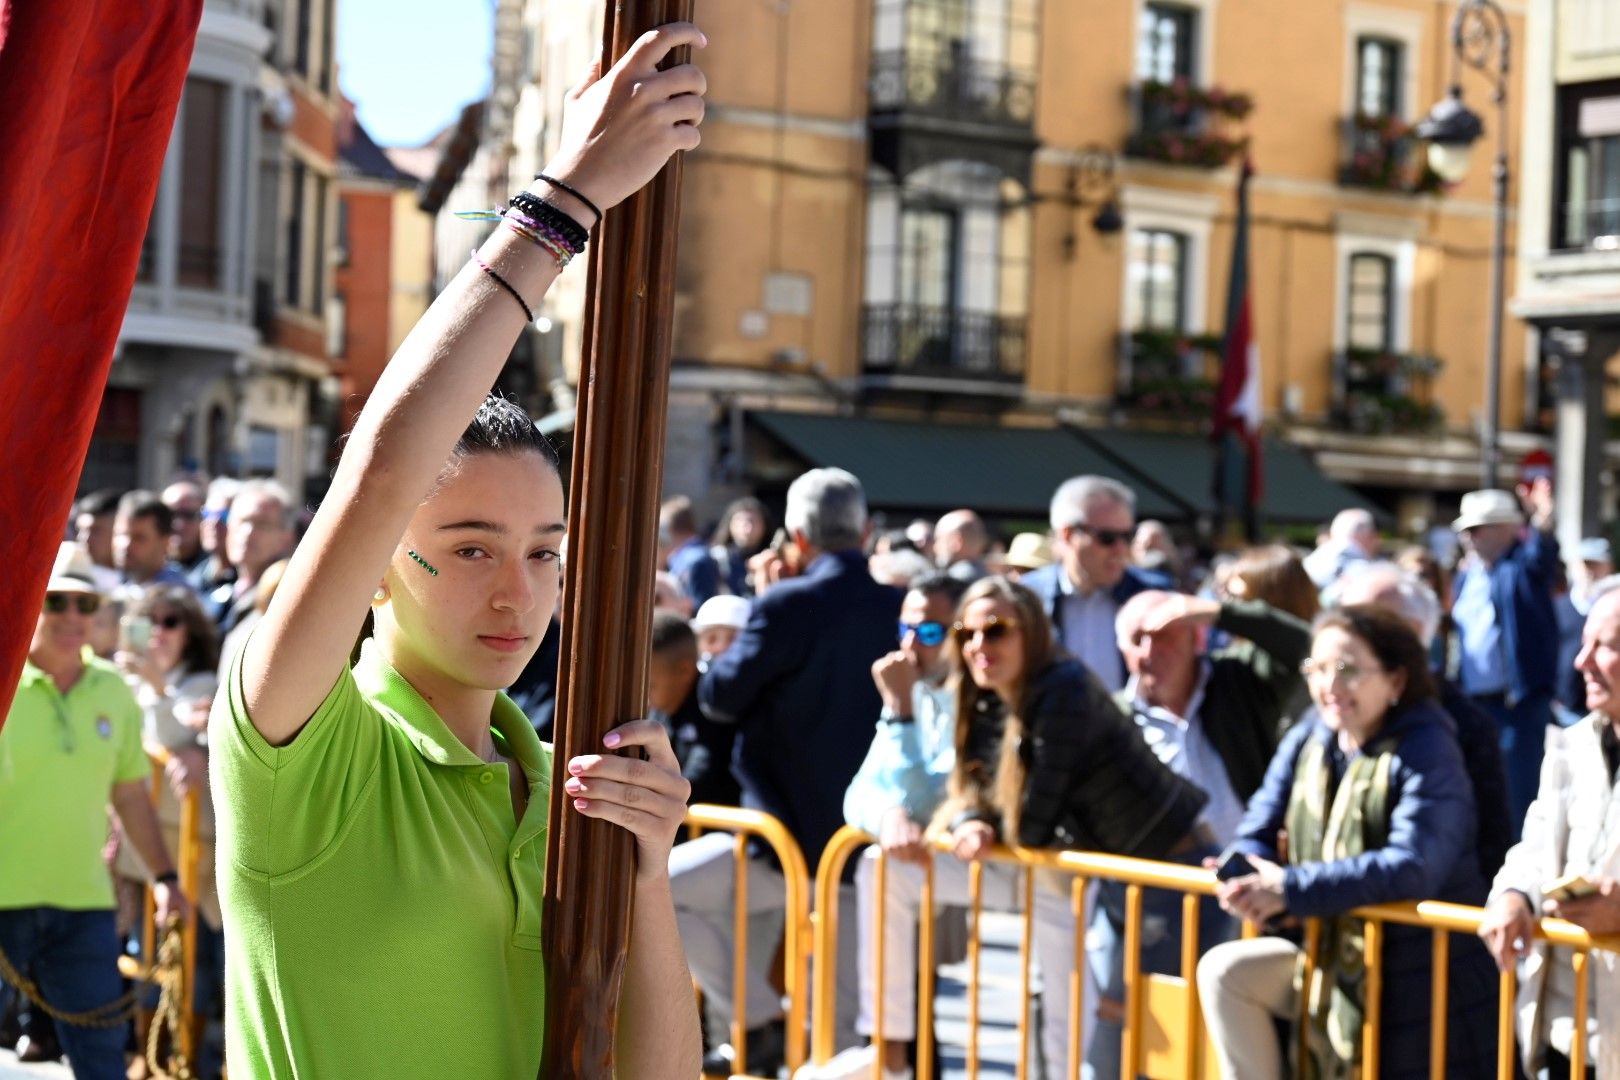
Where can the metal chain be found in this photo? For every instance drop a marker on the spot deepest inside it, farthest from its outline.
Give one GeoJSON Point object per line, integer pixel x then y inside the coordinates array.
{"type": "Point", "coordinates": [166, 974]}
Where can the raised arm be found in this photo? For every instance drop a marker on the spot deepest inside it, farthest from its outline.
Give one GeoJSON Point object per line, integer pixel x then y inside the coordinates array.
{"type": "Point", "coordinates": [619, 129]}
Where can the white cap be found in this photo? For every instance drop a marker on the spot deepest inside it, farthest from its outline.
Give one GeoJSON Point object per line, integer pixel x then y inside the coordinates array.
{"type": "Point", "coordinates": [722, 611]}
{"type": "Point", "coordinates": [73, 571]}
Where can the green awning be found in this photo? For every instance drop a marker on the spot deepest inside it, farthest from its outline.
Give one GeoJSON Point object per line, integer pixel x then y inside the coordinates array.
{"type": "Point", "coordinates": [1181, 467]}
{"type": "Point", "coordinates": [999, 471]}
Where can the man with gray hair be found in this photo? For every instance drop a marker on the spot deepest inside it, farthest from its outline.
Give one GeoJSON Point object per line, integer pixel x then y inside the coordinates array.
{"type": "Point", "coordinates": [1352, 538]}
{"type": "Point", "coordinates": [797, 682]}
{"type": "Point", "coordinates": [1386, 585]}
{"type": "Point", "coordinates": [1093, 520]}
{"type": "Point", "coordinates": [258, 534]}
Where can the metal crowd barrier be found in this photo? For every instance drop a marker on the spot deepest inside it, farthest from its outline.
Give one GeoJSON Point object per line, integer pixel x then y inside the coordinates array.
{"type": "Point", "coordinates": [796, 921]}
{"type": "Point", "coordinates": [1163, 1023]}
{"type": "Point", "coordinates": [188, 863]}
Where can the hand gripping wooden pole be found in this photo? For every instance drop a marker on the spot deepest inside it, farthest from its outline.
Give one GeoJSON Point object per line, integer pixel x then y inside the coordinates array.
{"type": "Point", "coordinates": [607, 594]}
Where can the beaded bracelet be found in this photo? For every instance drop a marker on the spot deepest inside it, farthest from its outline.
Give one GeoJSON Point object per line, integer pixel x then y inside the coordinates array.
{"type": "Point", "coordinates": [532, 205]}
{"type": "Point", "coordinates": [546, 231]}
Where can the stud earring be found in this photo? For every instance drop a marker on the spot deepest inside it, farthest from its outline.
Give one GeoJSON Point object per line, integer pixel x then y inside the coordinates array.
{"type": "Point", "coordinates": [380, 595]}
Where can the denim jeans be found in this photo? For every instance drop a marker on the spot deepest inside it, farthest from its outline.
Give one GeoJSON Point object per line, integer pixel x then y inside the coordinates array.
{"type": "Point", "coordinates": [73, 956]}
{"type": "Point", "coordinates": [1160, 952]}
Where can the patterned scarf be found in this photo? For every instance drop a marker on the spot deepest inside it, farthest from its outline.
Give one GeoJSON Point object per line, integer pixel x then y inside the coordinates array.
{"type": "Point", "coordinates": [1356, 821]}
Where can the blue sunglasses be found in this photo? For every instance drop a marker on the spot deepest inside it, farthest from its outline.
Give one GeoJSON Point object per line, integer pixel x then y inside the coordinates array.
{"type": "Point", "coordinates": [928, 633]}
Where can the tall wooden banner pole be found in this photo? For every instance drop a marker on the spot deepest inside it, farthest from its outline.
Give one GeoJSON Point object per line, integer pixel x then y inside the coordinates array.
{"type": "Point", "coordinates": [607, 595]}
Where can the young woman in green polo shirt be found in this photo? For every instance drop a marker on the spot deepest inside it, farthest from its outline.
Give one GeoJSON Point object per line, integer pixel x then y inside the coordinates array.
{"type": "Point", "coordinates": [382, 828]}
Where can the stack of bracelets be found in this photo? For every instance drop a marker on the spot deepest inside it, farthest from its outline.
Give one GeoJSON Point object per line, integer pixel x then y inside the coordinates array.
{"type": "Point", "coordinates": [540, 222]}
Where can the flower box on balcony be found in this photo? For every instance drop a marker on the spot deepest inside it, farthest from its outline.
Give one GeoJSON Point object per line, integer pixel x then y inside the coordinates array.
{"type": "Point", "coordinates": [1179, 123]}
{"type": "Point", "coordinates": [1378, 391]}
{"type": "Point", "coordinates": [1168, 374]}
{"type": "Point", "coordinates": [1384, 153]}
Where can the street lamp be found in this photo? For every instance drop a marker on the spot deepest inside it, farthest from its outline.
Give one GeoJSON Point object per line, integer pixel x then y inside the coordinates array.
{"type": "Point", "coordinates": [1093, 180]}
{"type": "Point", "coordinates": [1479, 39]}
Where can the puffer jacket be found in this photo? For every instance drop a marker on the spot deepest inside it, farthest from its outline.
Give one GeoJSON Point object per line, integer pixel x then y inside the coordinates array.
{"type": "Point", "coordinates": [1091, 783]}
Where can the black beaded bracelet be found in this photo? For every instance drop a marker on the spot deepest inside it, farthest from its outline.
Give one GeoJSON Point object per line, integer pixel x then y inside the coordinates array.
{"type": "Point", "coordinates": [574, 191]}
{"type": "Point", "coordinates": [572, 232]}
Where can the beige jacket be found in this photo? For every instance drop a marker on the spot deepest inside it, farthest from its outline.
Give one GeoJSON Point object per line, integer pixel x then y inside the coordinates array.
{"type": "Point", "coordinates": [1568, 815]}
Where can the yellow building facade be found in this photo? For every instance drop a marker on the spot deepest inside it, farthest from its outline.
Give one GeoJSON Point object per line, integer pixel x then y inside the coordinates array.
{"type": "Point", "coordinates": [1017, 212]}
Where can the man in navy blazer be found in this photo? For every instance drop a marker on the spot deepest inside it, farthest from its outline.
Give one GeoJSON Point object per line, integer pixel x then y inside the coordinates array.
{"type": "Point", "coordinates": [797, 682]}
{"type": "Point", "coordinates": [1507, 629]}
{"type": "Point", "coordinates": [1093, 518]}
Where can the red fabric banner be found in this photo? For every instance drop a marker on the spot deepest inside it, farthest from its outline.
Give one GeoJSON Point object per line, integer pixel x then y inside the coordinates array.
{"type": "Point", "coordinates": [90, 90]}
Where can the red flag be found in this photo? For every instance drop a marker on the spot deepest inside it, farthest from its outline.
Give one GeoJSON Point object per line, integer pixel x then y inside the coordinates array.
{"type": "Point", "coordinates": [90, 90]}
{"type": "Point", "coordinates": [1237, 399]}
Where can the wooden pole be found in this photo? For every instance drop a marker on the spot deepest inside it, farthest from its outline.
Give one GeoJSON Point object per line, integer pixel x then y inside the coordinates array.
{"type": "Point", "coordinates": [607, 595]}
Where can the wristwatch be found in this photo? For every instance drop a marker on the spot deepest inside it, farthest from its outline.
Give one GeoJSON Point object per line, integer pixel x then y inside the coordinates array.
{"type": "Point", "coordinates": [168, 877]}
{"type": "Point", "coordinates": [890, 717]}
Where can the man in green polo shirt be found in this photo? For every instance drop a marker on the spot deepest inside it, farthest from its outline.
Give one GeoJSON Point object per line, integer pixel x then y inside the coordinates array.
{"type": "Point", "coordinates": [70, 748]}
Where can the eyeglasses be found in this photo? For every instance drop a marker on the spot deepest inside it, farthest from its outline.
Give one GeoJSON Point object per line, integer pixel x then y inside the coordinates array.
{"type": "Point", "coordinates": [992, 631]}
{"type": "Point", "coordinates": [930, 632]}
{"type": "Point", "coordinates": [1105, 537]}
{"type": "Point", "coordinates": [168, 622]}
{"type": "Point", "coordinates": [1329, 670]}
{"type": "Point", "coordinates": [57, 603]}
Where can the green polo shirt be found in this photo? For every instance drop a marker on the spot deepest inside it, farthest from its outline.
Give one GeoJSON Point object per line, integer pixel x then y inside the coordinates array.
{"type": "Point", "coordinates": [60, 755]}
{"type": "Point", "coordinates": [381, 905]}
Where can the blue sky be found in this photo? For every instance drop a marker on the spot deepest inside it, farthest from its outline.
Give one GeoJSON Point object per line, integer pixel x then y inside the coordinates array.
{"type": "Point", "coordinates": [410, 65]}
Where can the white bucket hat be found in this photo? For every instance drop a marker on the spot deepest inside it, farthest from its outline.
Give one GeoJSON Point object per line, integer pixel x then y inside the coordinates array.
{"type": "Point", "coordinates": [73, 571]}
{"type": "Point", "coordinates": [1488, 507]}
{"type": "Point", "coordinates": [722, 611]}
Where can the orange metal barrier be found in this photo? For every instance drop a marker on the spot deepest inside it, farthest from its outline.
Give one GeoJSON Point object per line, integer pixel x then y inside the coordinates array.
{"type": "Point", "coordinates": [796, 922]}
{"type": "Point", "coordinates": [188, 864]}
{"type": "Point", "coordinates": [1163, 1025]}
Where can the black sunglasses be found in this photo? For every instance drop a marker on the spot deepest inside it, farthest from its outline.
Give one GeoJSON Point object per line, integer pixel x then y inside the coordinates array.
{"type": "Point", "coordinates": [1106, 537]}
{"type": "Point", "coordinates": [992, 631]}
{"type": "Point", "coordinates": [170, 622]}
{"type": "Point", "coordinates": [58, 602]}
{"type": "Point", "coordinates": [930, 632]}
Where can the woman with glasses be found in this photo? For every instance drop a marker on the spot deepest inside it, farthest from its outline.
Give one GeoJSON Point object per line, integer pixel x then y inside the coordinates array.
{"type": "Point", "coordinates": [174, 678]}
{"type": "Point", "coordinates": [1367, 801]}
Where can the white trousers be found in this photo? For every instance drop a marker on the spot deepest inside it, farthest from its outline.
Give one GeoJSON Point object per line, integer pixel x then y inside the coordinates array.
{"type": "Point", "coordinates": [1245, 987]}
{"type": "Point", "coordinates": [1054, 941]}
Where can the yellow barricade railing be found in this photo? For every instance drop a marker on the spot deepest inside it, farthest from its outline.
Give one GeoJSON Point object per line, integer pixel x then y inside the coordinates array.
{"type": "Point", "coordinates": [1178, 1047]}
{"type": "Point", "coordinates": [188, 864]}
{"type": "Point", "coordinates": [796, 921]}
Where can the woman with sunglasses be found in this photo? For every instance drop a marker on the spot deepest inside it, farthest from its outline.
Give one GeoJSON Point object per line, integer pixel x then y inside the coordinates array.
{"type": "Point", "coordinates": [1044, 758]}
{"type": "Point", "coordinates": [1375, 801]}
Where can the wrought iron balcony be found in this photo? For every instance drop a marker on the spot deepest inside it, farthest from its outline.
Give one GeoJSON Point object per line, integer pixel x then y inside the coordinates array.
{"type": "Point", "coordinates": [952, 86]}
{"type": "Point", "coordinates": [1167, 374]}
{"type": "Point", "coordinates": [907, 339]}
{"type": "Point", "coordinates": [1383, 153]}
{"type": "Point", "coordinates": [1182, 124]}
{"type": "Point", "coordinates": [1379, 392]}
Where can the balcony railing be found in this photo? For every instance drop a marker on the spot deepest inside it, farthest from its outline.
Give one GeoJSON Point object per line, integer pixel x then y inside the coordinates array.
{"type": "Point", "coordinates": [1168, 374]}
{"type": "Point", "coordinates": [914, 340]}
{"type": "Point", "coordinates": [952, 86]}
{"type": "Point", "coordinates": [1591, 224]}
{"type": "Point", "coordinates": [1383, 153]}
{"type": "Point", "coordinates": [1182, 124]}
{"type": "Point", "coordinates": [1377, 392]}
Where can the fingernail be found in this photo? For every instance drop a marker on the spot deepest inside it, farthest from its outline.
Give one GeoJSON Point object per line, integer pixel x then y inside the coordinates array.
{"type": "Point", "coordinates": [576, 767]}
{"type": "Point", "coordinates": [574, 787]}
{"type": "Point", "coordinates": [580, 804]}
{"type": "Point", "coordinates": [611, 738]}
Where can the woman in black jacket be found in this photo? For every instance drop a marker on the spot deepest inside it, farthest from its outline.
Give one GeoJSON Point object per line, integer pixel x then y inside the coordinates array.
{"type": "Point", "coordinates": [1045, 758]}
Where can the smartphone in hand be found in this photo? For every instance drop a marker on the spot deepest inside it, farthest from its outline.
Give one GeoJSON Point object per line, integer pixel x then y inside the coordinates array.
{"type": "Point", "coordinates": [1234, 864]}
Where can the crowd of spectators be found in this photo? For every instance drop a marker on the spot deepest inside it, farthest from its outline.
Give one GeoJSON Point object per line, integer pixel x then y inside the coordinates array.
{"type": "Point", "coordinates": [1355, 723]}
